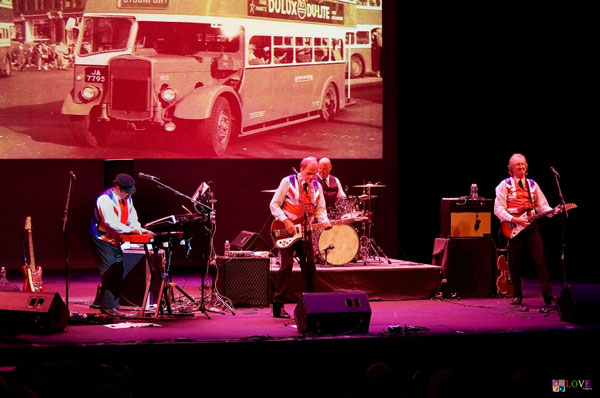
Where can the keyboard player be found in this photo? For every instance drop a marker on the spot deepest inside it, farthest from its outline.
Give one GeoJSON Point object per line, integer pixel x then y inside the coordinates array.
{"type": "Point", "coordinates": [114, 216]}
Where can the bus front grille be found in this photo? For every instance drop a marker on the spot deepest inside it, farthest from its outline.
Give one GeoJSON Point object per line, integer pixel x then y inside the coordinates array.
{"type": "Point", "coordinates": [130, 89]}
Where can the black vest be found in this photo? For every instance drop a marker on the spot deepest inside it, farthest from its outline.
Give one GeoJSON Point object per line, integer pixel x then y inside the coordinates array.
{"type": "Point", "coordinates": [330, 191]}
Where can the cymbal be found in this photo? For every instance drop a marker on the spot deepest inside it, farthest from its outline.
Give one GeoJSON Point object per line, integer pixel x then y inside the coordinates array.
{"type": "Point", "coordinates": [369, 185]}
{"type": "Point", "coordinates": [365, 197]}
{"type": "Point", "coordinates": [269, 190]}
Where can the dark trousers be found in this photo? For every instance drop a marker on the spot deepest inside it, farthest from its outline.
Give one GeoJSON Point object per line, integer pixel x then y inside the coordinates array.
{"type": "Point", "coordinates": [306, 256]}
{"type": "Point", "coordinates": [111, 272]}
{"type": "Point", "coordinates": [531, 238]}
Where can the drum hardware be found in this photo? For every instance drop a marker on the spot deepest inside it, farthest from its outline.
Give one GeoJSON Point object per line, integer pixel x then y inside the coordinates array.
{"type": "Point", "coordinates": [368, 246]}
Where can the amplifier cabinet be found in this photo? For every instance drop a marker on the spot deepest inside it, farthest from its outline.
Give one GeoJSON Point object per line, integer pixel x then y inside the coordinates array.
{"type": "Point", "coordinates": [465, 218]}
{"type": "Point", "coordinates": [245, 280]}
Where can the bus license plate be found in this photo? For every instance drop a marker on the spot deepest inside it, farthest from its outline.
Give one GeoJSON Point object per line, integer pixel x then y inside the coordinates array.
{"type": "Point", "coordinates": [95, 75]}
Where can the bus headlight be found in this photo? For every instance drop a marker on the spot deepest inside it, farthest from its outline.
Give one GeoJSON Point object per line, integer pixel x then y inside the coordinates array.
{"type": "Point", "coordinates": [89, 93]}
{"type": "Point", "coordinates": [168, 94]}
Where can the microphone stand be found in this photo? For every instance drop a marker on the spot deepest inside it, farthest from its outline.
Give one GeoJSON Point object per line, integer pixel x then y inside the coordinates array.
{"type": "Point", "coordinates": [176, 192]}
{"type": "Point", "coordinates": [563, 233]}
{"type": "Point", "coordinates": [66, 240]}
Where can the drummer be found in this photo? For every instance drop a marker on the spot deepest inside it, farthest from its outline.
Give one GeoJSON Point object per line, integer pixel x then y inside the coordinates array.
{"type": "Point", "coordinates": [332, 188]}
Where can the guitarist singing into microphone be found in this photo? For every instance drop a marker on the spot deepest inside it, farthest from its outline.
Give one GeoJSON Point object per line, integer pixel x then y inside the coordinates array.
{"type": "Point", "coordinates": [298, 195]}
{"type": "Point", "coordinates": [517, 199]}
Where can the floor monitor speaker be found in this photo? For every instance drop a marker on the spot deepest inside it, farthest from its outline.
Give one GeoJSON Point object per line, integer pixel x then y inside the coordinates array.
{"type": "Point", "coordinates": [580, 304]}
{"type": "Point", "coordinates": [333, 312]}
{"type": "Point", "coordinates": [36, 313]}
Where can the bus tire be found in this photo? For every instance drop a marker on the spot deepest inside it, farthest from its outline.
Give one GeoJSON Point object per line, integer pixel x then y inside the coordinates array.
{"type": "Point", "coordinates": [88, 131]}
{"type": "Point", "coordinates": [215, 132]}
{"type": "Point", "coordinates": [329, 104]}
{"type": "Point", "coordinates": [357, 67]}
{"type": "Point", "coordinates": [6, 67]}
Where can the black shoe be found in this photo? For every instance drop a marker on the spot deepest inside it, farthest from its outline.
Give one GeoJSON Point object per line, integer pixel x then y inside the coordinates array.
{"type": "Point", "coordinates": [517, 300]}
{"type": "Point", "coordinates": [549, 300]}
{"type": "Point", "coordinates": [279, 311]}
{"type": "Point", "coordinates": [112, 312]}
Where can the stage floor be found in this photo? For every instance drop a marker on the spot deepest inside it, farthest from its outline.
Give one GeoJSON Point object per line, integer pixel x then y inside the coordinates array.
{"type": "Point", "coordinates": [483, 335]}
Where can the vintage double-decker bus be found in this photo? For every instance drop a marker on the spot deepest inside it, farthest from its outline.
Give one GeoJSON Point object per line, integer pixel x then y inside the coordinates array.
{"type": "Point", "coordinates": [360, 39]}
{"type": "Point", "coordinates": [211, 70]}
{"type": "Point", "coordinates": [7, 29]}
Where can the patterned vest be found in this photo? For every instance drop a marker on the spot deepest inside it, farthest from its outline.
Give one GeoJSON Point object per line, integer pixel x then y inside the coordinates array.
{"type": "Point", "coordinates": [330, 192]}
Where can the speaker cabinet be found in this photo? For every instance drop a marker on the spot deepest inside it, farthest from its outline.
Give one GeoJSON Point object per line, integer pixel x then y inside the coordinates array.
{"type": "Point", "coordinates": [580, 304]}
{"type": "Point", "coordinates": [333, 312]}
{"type": "Point", "coordinates": [37, 313]}
{"type": "Point", "coordinates": [249, 241]}
{"type": "Point", "coordinates": [133, 284]}
{"type": "Point", "coordinates": [245, 280]}
{"type": "Point", "coordinates": [465, 218]}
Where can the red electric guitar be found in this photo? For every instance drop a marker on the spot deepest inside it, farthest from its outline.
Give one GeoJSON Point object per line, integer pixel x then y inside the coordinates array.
{"type": "Point", "coordinates": [504, 283]}
{"type": "Point", "coordinates": [511, 229]}
{"type": "Point", "coordinates": [32, 274]}
{"type": "Point", "coordinates": [282, 239]}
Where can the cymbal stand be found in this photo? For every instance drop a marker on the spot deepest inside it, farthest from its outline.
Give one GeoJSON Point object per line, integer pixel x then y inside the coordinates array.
{"type": "Point", "coordinates": [368, 247]}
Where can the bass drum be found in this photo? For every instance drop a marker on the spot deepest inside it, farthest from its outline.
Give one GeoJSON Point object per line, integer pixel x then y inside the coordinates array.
{"type": "Point", "coordinates": [345, 243]}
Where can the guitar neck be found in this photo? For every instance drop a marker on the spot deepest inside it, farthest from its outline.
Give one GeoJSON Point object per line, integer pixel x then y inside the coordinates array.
{"type": "Point", "coordinates": [31, 255]}
{"type": "Point", "coordinates": [323, 225]}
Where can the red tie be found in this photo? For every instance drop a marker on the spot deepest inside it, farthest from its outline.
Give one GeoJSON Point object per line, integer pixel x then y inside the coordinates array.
{"type": "Point", "coordinates": [124, 211]}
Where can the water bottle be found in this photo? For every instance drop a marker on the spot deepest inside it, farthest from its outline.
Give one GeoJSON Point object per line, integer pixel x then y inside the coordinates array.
{"type": "Point", "coordinates": [3, 280]}
{"type": "Point", "coordinates": [474, 191]}
{"type": "Point", "coordinates": [227, 253]}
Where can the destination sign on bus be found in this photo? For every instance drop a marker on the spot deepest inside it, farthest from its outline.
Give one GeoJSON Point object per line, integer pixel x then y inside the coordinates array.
{"type": "Point", "coordinates": [159, 4]}
{"type": "Point", "coordinates": [301, 10]}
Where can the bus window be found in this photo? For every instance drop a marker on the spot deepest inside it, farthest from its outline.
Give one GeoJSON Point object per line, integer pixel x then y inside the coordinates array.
{"type": "Point", "coordinates": [282, 50]}
{"type": "Point", "coordinates": [105, 34]}
{"type": "Point", "coordinates": [349, 37]}
{"type": "Point", "coordinates": [303, 49]}
{"type": "Point", "coordinates": [337, 49]}
{"type": "Point", "coordinates": [363, 37]}
{"type": "Point", "coordinates": [259, 50]}
{"type": "Point", "coordinates": [321, 49]}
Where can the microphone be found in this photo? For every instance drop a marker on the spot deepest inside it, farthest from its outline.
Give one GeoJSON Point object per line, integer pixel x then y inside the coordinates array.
{"type": "Point", "coordinates": [330, 247]}
{"type": "Point", "coordinates": [294, 170]}
{"type": "Point", "coordinates": [72, 175]}
{"type": "Point", "coordinates": [554, 171]}
{"type": "Point", "coordinates": [148, 176]}
{"type": "Point", "coordinates": [202, 188]}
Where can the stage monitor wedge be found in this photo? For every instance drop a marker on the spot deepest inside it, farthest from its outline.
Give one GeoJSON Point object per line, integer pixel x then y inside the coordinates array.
{"type": "Point", "coordinates": [35, 313]}
{"type": "Point", "coordinates": [333, 313]}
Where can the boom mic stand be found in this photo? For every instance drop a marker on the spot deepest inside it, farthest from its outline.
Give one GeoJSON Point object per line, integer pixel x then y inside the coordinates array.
{"type": "Point", "coordinates": [199, 206]}
{"type": "Point", "coordinates": [72, 177]}
{"type": "Point", "coordinates": [212, 262]}
{"type": "Point", "coordinates": [563, 234]}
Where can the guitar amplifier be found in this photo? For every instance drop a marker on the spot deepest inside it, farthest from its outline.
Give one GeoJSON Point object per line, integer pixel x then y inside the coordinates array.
{"type": "Point", "coordinates": [465, 218]}
{"type": "Point", "coordinates": [245, 280]}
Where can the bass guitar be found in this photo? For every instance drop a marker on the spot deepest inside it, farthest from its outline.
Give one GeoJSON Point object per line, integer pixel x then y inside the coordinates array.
{"type": "Point", "coordinates": [32, 274]}
{"type": "Point", "coordinates": [512, 229]}
{"type": "Point", "coordinates": [282, 239]}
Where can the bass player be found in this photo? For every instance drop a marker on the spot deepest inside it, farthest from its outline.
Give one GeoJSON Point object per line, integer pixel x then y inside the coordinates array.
{"type": "Point", "coordinates": [515, 197]}
{"type": "Point", "coordinates": [298, 200]}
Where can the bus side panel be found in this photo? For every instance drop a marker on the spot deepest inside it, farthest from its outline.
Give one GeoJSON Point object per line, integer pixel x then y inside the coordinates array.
{"type": "Point", "coordinates": [198, 104]}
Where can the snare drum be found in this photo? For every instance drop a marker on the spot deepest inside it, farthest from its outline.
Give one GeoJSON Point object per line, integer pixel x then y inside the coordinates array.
{"type": "Point", "coordinates": [345, 243]}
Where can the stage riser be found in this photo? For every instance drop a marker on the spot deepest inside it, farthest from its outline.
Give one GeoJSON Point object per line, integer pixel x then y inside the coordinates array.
{"type": "Point", "coordinates": [380, 282]}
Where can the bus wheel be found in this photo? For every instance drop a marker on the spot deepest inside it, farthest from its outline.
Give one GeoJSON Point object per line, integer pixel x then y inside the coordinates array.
{"type": "Point", "coordinates": [88, 131]}
{"type": "Point", "coordinates": [7, 67]}
{"type": "Point", "coordinates": [215, 131]}
{"type": "Point", "coordinates": [357, 67]}
{"type": "Point", "coordinates": [329, 104]}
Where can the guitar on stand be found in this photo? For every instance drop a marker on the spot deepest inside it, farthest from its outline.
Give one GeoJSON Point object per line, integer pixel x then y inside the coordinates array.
{"type": "Point", "coordinates": [504, 284]}
{"type": "Point", "coordinates": [32, 274]}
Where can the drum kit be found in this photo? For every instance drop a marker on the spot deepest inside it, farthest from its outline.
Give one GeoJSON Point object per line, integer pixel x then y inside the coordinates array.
{"type": "Point", "coordinates": [342, 243]}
